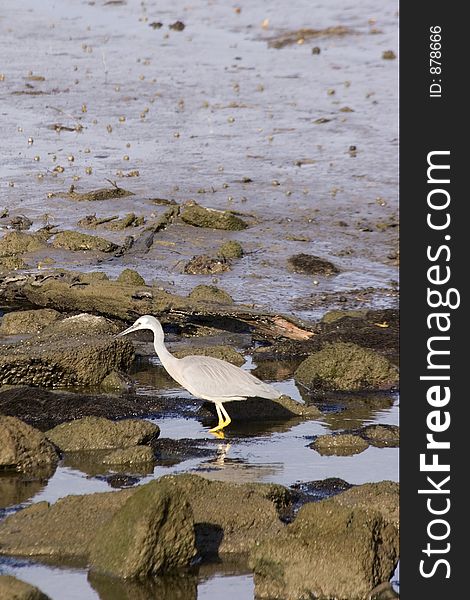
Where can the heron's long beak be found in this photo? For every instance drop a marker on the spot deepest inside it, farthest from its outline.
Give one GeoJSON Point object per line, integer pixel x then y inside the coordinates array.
{"type": "Point", "coordinates": [128, 330]}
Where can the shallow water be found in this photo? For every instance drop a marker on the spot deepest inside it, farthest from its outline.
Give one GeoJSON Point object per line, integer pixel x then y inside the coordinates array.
{"type": "Point", "coordinates": [105, 57]}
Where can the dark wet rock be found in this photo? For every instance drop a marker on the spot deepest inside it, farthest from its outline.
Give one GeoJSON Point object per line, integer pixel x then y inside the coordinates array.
{"type": "Point", "coordinates": [382, 497]}
{"type": "Point", "coordinates": [45, 408]}
{"type": "Point", "coordinates": [253, 409]}
{"type": "Point", "coordinates": [230, 250]}
{"type": "Point", "coordinates": [64, 529]}
{"type": "Point", "coordinates": [302, 35]}
{"type": "Point", "coordinates": [200, 216]}
{"type": "Point", "coordinates": [77, 351]}
{"type": "Point", "coordinates": [311, 265]}
{"type": "Point", "coordinates": [130, 220]}
{"type": "Point", "coordinates": [210, 293]}
{"type": "Point", "coordinates": [116, 382]}
{"type": "Point", "coordinates": [130, 277]}
{"type": "Point", "coordinates": [76, 241]}
{"type": "Point", "coordinates": [20, 223]}
{"type": "Point", "coordinates": [206, 265]}
{"type": "Point", "coordinates": [130, 456]}
{"type": "Point", "coordinates": [313, 491]}
{"type": "Point", "coordinates": [331, 550]}
{"type": "Point", "coordinates": [343, 444]}
{"type": "Point", "coordinates": [152, 533]}
{"type": "Point", "coordinates": [346, 367]}
{"type": "Point", "coordinates": [229, 518]}
{"type": "Point", "coordinates": [12, 588]}
{"type": "Point", "coordinates": [96, 433]}
{"type": "Point", "coordinates": [171, 452]}
{"type": "Point", "coordinates": [382, 436]}
{"type": "Point", "coordinates": [223, 352]}
{"type": "Point", "coordinates": [95, 195]}
{"type": "Point", "coordinates": [388, 55]}
{"type": "Point", "coordinates": [374, 329]}
{"type": "Point", "coordinates": [156, 25]}
{"type": "Point", "coordinates": [17, 242]}
{"type": "Point", "coordinates": [28, 321]}
{"type": "Point", "coordinates": [23, 448]}
{"type": "Point", "coordinates": [177, 26]}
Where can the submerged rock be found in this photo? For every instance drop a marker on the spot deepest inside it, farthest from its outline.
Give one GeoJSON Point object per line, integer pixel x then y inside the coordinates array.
{"type": "Point", "coordinates": [152, 533]}
{"type": "Point", "coordinates": [223, 352]}
{"type": "Point", "coordinates": [130, 456]}
{"type": "Point", "coordinates": [344, 444]}
{"type": "Point", "coordinates": [12, 588]}
{"type": "Point", "coordinates": [28, 321]}
{"type": "Point", "coordinates": [199, 216]}
{"type": "Point", "coordinates": [331, 550]}
{"type": "Point", "coordinates": [23, 448]}
{"type": "Point", "coordinates": [210, 293]}
{"type": "Point", "coordinates": [311, 265]}
{"type": "Point", "coordinates": [75, 241]}
{"type": "Point", "coordinates": [116, 382]}
{"type": "Point", "coordinates": [230, 250]}
{"type": "Point", "coordinates": [96, 433]}
{"type": "Point", "coordinates": [381, 436]}
{"type": "Point", "coordinates": [130, 277]}
{"type": "Point", "coordinates": [77, 351]}
{"type": "Point", "coordinates": [346, 367]}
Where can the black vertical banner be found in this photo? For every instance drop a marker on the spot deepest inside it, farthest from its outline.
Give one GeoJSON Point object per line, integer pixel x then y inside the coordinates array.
{"type": "Point", "coordinates": [435, 238]}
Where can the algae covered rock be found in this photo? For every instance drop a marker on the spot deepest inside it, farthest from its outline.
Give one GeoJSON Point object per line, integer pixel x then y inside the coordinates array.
{"type": "Point", "coordinates": [28, 321]}
{"type": "Point", "coordinates": [346, 367]}
{"type": "Point", "coordinates": [24, 448]}
{"type": "Point", "coordinates": [311, 265]}
{"type": "Point", "coordinates": [130, 277]}
{"type": "Point", "coordinates": [12, 588]}
{"type": "Point", "coordinates": [344, 444]}
{"type": "Point", "coordinates": [19, 242]}
{"type": "Point", "coordinates": [210, 293]}
{"type": "Point", "coordinates": [135, 455]}
{"type": "Point", "coordinates": [229, 518]}
{"type": "Point", "coordinates": [152, 533]}
{"type": "Point", "coordinates": [75, 241]}
{"type": "Point", "coordinates": [96, 433]}
{"type": "Point", "coordinates": [381, 436]}
{"type": "Point", "coordinates": [199, 216]}
{"type": "Point", "coordinates": [231, 249]}
{"type": "Point", "coordinates": [63, 529]}
{"type": "Point", "coordinates": [329, 551]}
{"type": "Point", "coordinates": [77, 351]}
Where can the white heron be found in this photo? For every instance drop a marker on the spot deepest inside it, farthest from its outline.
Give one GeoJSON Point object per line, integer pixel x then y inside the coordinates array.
{"type": "Point", "coordinates": [205, 377]}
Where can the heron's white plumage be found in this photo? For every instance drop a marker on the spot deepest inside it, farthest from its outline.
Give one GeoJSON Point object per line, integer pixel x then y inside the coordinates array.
{"type": "Point", "coordinates": [204, 376]}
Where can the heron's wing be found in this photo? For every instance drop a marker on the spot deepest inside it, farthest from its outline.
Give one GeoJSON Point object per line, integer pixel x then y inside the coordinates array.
{"type": "Point", "coordinates": [214, 378]}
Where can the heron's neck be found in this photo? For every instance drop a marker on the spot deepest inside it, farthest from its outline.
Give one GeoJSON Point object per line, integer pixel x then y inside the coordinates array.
{"type": "Point", "coordinates": [167, 359]}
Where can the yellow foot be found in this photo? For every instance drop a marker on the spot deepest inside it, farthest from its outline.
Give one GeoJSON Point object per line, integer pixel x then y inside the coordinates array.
{"type": "Point", "coordinates": [218, 434]}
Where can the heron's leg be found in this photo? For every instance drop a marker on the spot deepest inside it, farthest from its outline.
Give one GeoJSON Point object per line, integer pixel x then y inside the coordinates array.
{"type": "Point", "coordinates": [227, 419]}
{"type": "Point", "coordinates": [220, 424]}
